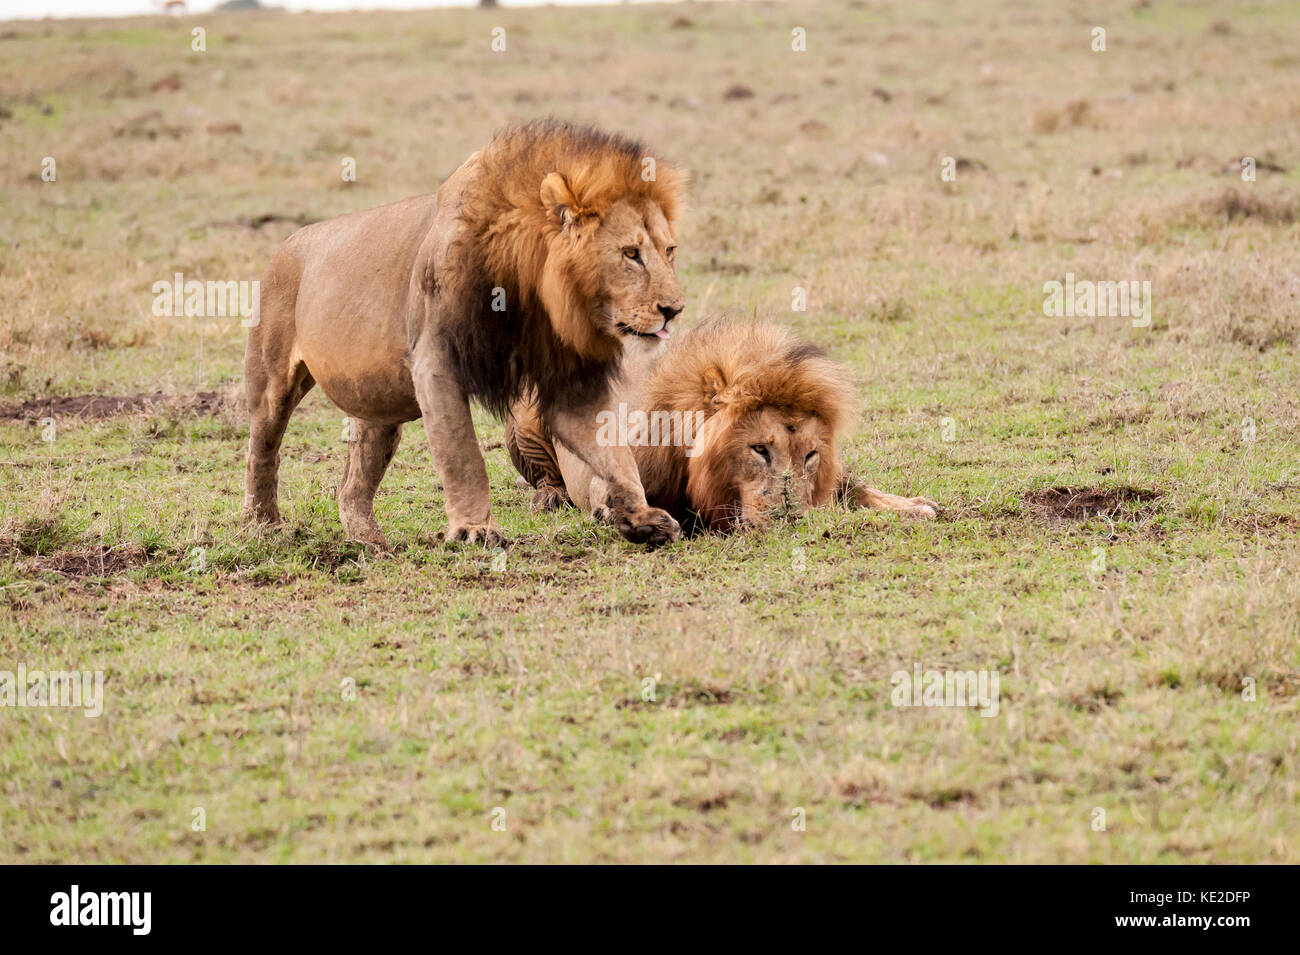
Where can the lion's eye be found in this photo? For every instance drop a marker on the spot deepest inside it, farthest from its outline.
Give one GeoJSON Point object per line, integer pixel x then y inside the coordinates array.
{"type": "Point", "coordinates": [633, 253]}
{"type": "Point", "coordinates": [671, 252]}
{"type": "Point", "coordinates": [809, 459]}
{"type": "Point", "coordinates": [761, 451]}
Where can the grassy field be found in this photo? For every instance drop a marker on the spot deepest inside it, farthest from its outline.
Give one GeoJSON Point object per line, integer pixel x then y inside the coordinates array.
{"type": "Point", "coordinates": [319, 704]}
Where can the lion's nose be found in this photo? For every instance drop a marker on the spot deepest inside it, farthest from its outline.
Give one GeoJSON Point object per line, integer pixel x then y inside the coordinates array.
{"type": "Point", "coordinates": [669, 312]}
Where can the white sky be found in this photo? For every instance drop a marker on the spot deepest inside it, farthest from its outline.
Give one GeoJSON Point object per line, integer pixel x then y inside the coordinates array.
{"type": "Point", "coordinates": [35, 9]}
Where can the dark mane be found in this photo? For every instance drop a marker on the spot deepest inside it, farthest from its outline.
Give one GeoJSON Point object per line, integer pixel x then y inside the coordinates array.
{"type": "Point", "coordinates": [500, 356]}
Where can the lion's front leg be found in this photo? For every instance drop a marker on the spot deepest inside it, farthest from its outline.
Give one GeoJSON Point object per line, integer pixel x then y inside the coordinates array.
{"type": "Point", "coordinates": [616, 467]}
{"type": "Point", "coordinates": [450, 430]}
{"type": "Point", "coordinates": [859, 494]}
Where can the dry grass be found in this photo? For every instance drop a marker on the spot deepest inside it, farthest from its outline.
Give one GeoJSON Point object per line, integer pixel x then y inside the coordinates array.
{"type": "Point", "coordinates": [1170, 451]}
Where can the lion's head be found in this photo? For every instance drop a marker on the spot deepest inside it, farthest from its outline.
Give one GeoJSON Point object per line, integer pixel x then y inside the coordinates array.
{"type": "Point", "coordinates": [773, 407]}
{"type": "Point", "coordinates": [622, 256]}
{"type": "Point", "coordinates": [580, 228]}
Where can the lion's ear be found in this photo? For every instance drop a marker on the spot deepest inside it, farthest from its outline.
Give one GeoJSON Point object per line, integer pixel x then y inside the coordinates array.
{"type": "Point", "coordinates": [559, 200]}
{"type": "Point", "coordinates": [714, 385]}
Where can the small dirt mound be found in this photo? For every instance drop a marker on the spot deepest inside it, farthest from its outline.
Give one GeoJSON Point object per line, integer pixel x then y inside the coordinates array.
{"type": "Point", "coordinates": [100, 561]}
{"type": "Point", "coordinates": [1082, 503]}
{"type": "Point", "coordinates": [110, 406]}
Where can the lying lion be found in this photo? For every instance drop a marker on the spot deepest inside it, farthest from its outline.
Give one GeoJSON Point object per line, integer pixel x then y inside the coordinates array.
{"type": "Point", "coordinates": [732, 425]}
{"type": "Point", "coordinates": [526, 273]}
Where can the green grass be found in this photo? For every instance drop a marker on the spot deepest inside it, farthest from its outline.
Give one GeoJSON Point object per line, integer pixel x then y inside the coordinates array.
{"type": "Point", "coordinates": [322, 704]}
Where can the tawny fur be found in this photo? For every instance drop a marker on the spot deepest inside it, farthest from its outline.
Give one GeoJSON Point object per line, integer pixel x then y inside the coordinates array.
{"type": "Point", "coordinates": [726, 370]}
{"type": "Point", "coordinates": [517, 277]}
{"type": "Point", "coordinates": [742, 376]}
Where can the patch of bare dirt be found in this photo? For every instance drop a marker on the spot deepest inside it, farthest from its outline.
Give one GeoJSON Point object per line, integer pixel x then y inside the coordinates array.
{"type": "Point", "coordinates": [1083, 503]}
{"type": "Point", "coordinates": [707, 803]}
{"type": "Point", "coordinates": [256, 222]}
{"type": "Point", "coordinates": [110, 406]}
{"type": "Point", "coordinates": [99, 561]}
{"type": "Point", "coordinates": [266, 218]}
{"type": "Point", "coordinates": [670, 697]}
{"type": "Point", "coordinates": [944, 798]}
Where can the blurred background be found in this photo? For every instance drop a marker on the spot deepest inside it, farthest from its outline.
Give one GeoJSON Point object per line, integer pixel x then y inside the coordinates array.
{"type": "Point", "coordinates": [36, 9]}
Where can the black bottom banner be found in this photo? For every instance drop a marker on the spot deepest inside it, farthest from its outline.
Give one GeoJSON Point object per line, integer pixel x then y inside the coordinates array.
{"type": "Point", "coordinates": [1221, 906]}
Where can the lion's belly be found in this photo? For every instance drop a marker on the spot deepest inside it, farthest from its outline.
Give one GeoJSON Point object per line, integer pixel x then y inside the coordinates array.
{"type": "Point", "coordinates": [374, 391]}
{"type": "Point", "coordinates": [351, 310]}
{"type": "Point", "coordinates": [355, 355]}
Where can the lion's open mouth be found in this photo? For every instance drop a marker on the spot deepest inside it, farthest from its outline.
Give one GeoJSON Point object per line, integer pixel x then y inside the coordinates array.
{"type": "Point", "coordinates": [629, 330]}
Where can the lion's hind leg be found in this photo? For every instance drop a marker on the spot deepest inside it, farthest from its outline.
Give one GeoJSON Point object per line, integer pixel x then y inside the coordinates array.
{"type": "Point", "coordinates": [532, 451]}
{"type": "Point", "coordinates": [860, 495]}
{"type": "Point", "coordinates": [272, 395]}
{"type": "Point", "coordinates": [549, 497]}
{"type": "Point", "coordinates": [370, 449]}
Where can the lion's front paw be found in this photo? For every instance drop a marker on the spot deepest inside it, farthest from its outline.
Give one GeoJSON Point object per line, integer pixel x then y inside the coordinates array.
{"type": "Point", "coordinates": [376, 544]}
{"type": "Point", "coordinates": [362, 529]}
{"type": "Point", "coordinates": [489, 535]}
{"type": "Point", "coordinates": [920, 508]}
{"type": "Point", "coordinates": [648, 526]}
{"type": "Point", "coordinates": [261, 512]}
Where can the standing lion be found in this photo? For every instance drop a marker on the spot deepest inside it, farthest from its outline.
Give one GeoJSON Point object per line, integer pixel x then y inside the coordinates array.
{"type": "Point", "coordinates": [733, 424]}
{"type": "Point", "coordinates": [526, 273]}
